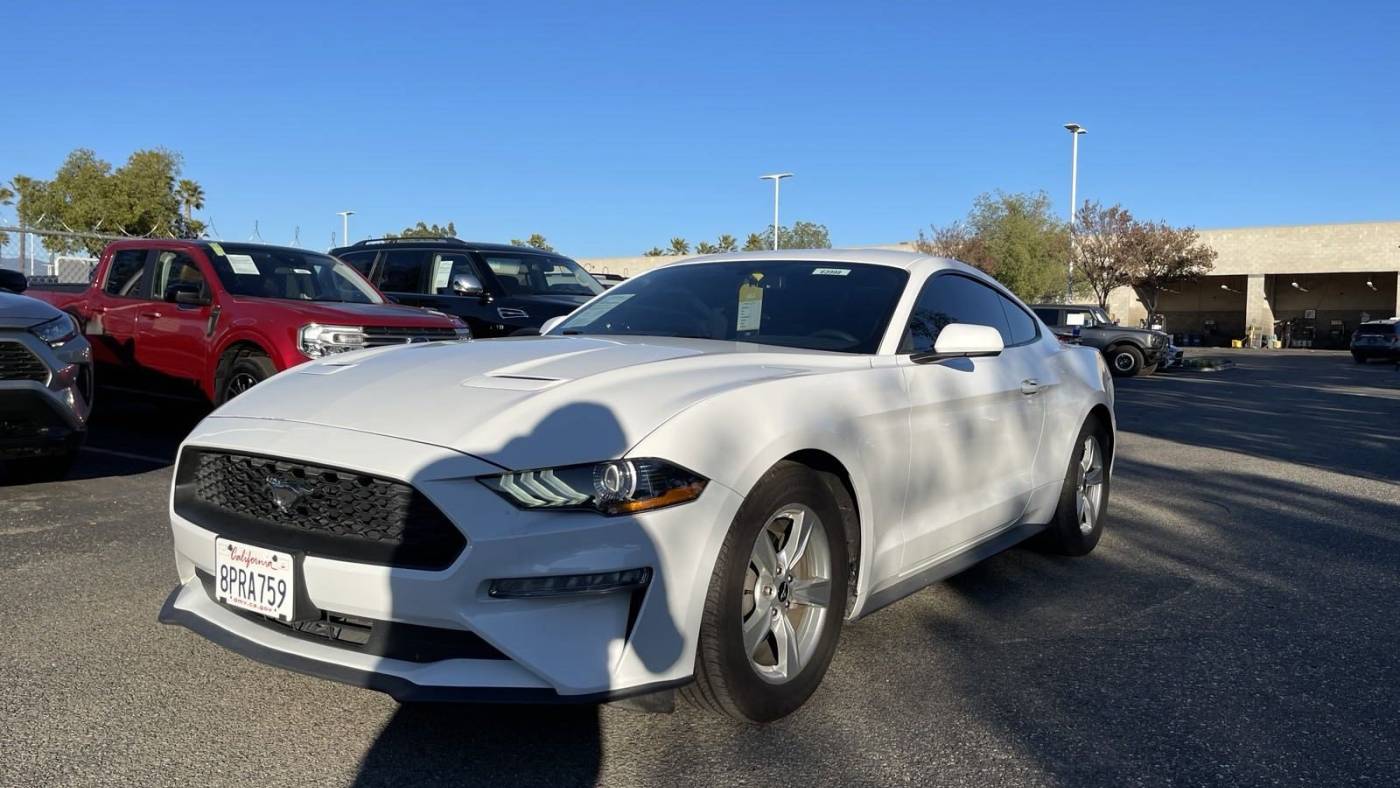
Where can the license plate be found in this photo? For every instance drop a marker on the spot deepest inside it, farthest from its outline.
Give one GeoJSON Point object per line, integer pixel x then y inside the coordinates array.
{"type": "Point", "coordinates": [254, 578]}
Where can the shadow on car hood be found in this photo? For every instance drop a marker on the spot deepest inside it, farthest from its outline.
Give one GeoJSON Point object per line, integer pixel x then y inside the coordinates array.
{"type": "Point", "coordinates": [521, 402]}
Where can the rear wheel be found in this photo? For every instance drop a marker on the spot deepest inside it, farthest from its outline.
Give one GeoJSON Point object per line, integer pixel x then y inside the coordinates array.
{"type": "Point", "coordinates": [1125, 361]}
{"type": "Point", "coordinates": [1079, 518]}
{"type": "Point", "coordinates": [247, 369]}
{"type": "Point", "coordinates": [775, 603]}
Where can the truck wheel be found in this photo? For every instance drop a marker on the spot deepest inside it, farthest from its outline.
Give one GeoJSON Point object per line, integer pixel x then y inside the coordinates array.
{"type": "Point", "coordinates": [1124, 361]}
{"type": "Point", "coordinates": [775, 603]}
{"type": "Point", "coordinates": [248, 369]}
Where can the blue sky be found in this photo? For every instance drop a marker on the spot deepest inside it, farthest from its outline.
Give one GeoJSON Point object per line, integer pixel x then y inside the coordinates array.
{"type": "Point", "coordinates": [610, 127]}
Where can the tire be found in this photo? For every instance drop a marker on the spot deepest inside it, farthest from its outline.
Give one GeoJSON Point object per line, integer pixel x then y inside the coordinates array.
{"type": "Point", "coordinates": [1067, 533]}
{"type": "Point", "coordinates": [755, 685]}
{"type": "Point", "coordinates": [1124, 361]}
{"type": "Point", "coordinates": [247, 369]}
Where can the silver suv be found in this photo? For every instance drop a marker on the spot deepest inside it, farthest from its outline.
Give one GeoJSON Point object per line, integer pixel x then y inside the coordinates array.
{"type": "Point", "coordinates": [45, 384]}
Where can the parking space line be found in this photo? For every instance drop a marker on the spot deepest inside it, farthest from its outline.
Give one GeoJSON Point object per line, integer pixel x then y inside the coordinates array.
{"type": "Point", "coordinates": [128, 455]}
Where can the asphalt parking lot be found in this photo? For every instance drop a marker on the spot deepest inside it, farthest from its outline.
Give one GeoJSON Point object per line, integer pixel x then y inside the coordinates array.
{"type": "Point", "coordinates": [1237, 625]}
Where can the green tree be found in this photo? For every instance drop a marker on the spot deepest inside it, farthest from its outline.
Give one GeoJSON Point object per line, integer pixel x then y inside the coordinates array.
{"type": "Point", "coordinates": [705, 247]}
{"type": "Point", "coordinates": [802, 235]}
{"type": "Point", "coordinates": [678, 246]}
{"type": "Point", "coordinates": [726, 243]}
{"type": "Point", "coordinates": [86, 194]}
{"type": "Point", "coordinates": [191, 196]}
{"type": "Point", "coordinates": [7, 197]}
{"type": "Point", "coordinates": [757, 242]}
{"type": "Point", "coordinates": [1013, 237]}
{"type": "Point", "coordinates": [535, 241]}
{"type": "Point", "coordinates": [654, 251]}
{"type": "Point", "coordinates": [425, 230]}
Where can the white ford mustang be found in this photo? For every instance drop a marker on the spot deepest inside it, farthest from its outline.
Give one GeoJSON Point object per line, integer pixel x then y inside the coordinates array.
{"type": "Point", "coordinates": [692, 481]}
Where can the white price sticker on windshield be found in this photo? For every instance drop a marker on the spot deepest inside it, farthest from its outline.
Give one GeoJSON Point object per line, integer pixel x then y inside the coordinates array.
{"type": "Point", "coordinates": [1074, 318]}
{"type": "Point", "coordinates": [243, 264]}
{"type": "Point", "coordinates": [597, 309]}
{"type": "Point", "coordinates": [831, 272]}
{"type": "Point", "coordinates": [442, 272]}
{"type": "Point", "coordinates": [750, 313]}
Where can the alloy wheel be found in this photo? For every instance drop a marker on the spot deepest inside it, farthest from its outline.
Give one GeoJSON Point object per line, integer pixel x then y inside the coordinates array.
{"type": "Point", "coordinates": [787, 593]}
{"type": "Point", "coordinates": [1090, 493]}
{"type": "Point", "coordinates": [239, 383]}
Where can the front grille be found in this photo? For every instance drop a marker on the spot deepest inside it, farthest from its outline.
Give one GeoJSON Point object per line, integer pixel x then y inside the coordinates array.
{"type": "Point", "coordinates": [17, 362]}
{"type": "Point", "coordinates": [317, 510]}
{"type": "Point", "coordinates": [379, 337]}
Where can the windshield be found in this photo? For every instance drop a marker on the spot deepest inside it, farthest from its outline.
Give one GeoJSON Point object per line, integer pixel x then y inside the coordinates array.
{"type": "Point", "coordinates": [522, 273]}
{"type": "Point", "coordinates": [824, 306]}
{"type": "Point", "coordinates": [1376, 328]}
{"type": "Point", "coordinates": [271, 272]}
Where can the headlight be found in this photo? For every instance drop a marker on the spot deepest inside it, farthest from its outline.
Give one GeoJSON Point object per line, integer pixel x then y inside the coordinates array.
{"type": "Point", "coordinates": [57, 331]}
{"type": "Point", "coordinates": [613, 487]}
{"type": "Point", "coordinates": [317, 340]}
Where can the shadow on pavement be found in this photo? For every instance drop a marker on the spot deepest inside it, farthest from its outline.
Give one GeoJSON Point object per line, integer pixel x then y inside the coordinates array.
{"type": "Point", "coordinates": [1321, 410]}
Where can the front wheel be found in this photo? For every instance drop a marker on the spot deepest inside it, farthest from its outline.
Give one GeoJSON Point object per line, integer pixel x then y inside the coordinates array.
{"type": "Point", "coordinates": [1125, 361]}
{"type": "Point", "coordinates": [1079, 518]}
{"type": "Point", "coordinates": [246, 370]}
{"type": "Point", "coordinates": [776, 601]}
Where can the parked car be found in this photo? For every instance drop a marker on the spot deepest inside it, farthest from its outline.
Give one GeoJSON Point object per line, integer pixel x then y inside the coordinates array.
{"type": "Point", "coordinates": [1376, 339]}
{"type": "Point", "coordinates": [226, 316]}
{"type": "Point", "coordinates": [1129, 351]}
{"type": "Point", "coordinates": [497, 289]}
{"type": "Point", "coordinates": [45, 383]}
{"type": "Point", "coordinates": [694, 479]}
{"type": "Point", "coordinates": [608, 280]}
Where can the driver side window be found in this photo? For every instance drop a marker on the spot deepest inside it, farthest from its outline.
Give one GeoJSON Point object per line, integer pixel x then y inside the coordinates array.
{"type": "Point", "coordinates": [951, 298]}
{"type": "Point", "coordinates": [175, 269]}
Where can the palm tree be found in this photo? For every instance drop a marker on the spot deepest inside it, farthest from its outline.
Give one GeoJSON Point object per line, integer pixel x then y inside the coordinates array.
{"type": "Point", "coordinates": [7, 197]}
{"type": "Point", "coordinates": [679, 246]}
{"type": "Point", "coordinates": [727, 243]}
{"type": "Point", "coordinates": [191, 196]}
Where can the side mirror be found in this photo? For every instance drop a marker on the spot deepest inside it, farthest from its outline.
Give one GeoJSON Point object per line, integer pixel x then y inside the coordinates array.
{"type": "Point", "coordinates": [468, 285]}
{"type": "Point", "coordinates": [963, 340]}
{"type": "Point", "coordinates": [552, 323]}
{"type": "Point", "coordinates": [13, 281]}
{"type": "Point", "coordinates": [185, 294]}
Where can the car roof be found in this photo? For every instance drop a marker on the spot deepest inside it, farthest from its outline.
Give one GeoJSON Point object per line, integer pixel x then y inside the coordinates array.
{"type": "Point", "coordinates": [1389, 321]}
{"type": "Point", "coordinates": [205, 243]}
{"type": "Point", "coordinates": [1063, 306]}
{"type": "Point", "coordinates": [909, 261]}
{"type": "Point", "coordinates": [374, 244]}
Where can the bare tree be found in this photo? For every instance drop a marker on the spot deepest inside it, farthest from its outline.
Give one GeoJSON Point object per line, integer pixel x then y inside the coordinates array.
{"type": "Point", "coordinates": [1163, 256]}
{"type": "Point", "coordinates": [1101, 249]}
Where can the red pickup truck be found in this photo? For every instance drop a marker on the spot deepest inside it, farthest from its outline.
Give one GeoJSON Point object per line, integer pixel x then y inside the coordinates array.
{"type": "Point", "coordinates": [226, 316]}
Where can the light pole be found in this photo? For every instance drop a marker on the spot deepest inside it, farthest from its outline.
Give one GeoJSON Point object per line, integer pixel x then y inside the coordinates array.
{"type": "Point", "coordinates": [344, 226]}
{"type": "Point", "coordinates": [776, 178]}
{"type": "Point", "coordinates": [1074, 130]}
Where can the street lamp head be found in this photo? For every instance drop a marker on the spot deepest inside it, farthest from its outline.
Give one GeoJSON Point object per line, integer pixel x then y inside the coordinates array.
{"type": "Point", "coordinates": [344, 213]}
{"type": "Point", "coordinates": [1075, 128]}
{"type": "Point", "coordinates": [777, 176]}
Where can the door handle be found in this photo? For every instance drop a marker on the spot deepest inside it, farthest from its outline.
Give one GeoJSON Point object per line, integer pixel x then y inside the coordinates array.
{"type": "Point", "coordinates": [151, 314]}
{"type": "Point", "coordinates": [1030, 386]}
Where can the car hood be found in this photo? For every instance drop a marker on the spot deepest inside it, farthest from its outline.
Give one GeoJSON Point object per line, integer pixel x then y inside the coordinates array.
{"type": "Point", "coordinates": [17, 311]}
{"type": "Point", "coordinates": [523, 402]}
{"type": "Point", "coordinates": [333, 312]}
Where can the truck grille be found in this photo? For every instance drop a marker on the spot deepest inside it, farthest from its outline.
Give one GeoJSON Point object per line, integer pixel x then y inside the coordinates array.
{"type": "Point", "coordinates": [17, 362]}
{"type": "Point", "coordinates": [379, 337]}
{"type": "Point", "coordinates": [317, 510]}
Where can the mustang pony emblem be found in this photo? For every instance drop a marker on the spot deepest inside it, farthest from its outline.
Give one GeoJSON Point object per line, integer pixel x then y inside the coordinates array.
{"type": "Point", "coordinates": [285, 493]}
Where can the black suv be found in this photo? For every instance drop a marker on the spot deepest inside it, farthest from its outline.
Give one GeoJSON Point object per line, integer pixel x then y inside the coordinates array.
{"type": "Point", "coordinates": [497, 289]}
{"type": "Point", "coordinates": [1376, 339]}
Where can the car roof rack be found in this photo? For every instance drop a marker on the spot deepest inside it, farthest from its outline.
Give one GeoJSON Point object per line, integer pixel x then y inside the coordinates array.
{"type": "Point", "coordinates": [410, 240]}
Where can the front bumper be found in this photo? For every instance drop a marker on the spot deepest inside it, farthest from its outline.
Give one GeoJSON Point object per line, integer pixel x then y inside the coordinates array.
{"type": "Point", "coordinates": [46, 417]}
{"type": "Point", "coordinates": [561, 648]}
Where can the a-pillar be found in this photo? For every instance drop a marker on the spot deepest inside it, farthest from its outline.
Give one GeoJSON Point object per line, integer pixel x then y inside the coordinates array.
{"type": "Point", "coordinates": [1258, 312]}
{"type": "Point", "coordinates": [1396, 313]}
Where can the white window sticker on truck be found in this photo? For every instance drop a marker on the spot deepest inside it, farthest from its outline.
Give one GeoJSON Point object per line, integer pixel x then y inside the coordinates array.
{"type": "Point", "coordinates": [242, 264]}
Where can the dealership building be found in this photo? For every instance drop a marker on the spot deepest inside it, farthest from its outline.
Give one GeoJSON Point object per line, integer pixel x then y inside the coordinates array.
{"type": "Point", "coordinates": [1305, 285]}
